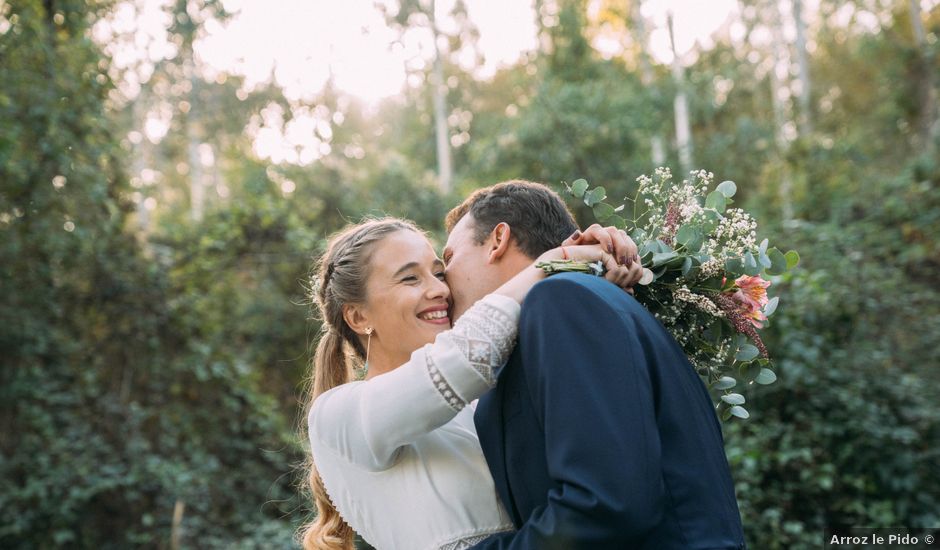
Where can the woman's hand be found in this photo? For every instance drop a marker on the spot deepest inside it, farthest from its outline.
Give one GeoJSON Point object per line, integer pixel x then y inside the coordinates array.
{"type": "Point", "coordinates": [617, 243]}
{"type": "Point", "coordinates": [623, 276]}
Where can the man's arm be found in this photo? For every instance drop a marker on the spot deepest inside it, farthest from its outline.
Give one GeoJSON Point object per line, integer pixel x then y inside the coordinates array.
{"type": "Point", "coordinates": [589, 382]}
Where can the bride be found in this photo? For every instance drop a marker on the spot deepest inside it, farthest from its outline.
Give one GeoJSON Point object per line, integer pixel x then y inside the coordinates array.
{"type": "Point", "coordinates": [395, 457]}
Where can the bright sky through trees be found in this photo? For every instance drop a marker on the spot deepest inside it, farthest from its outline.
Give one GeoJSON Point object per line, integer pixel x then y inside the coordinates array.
{"type": "Point", "coordinates": [301, 42]}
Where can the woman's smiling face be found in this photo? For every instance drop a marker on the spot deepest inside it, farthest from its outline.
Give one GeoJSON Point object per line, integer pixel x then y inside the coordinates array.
{"type": "Point", "coordinates": [407, 299]}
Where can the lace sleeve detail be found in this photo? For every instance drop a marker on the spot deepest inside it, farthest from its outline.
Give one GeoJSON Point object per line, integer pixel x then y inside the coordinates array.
{"type": "Point", "coordinates": [443, 387]}
{"type": "Point", "coordinates": [485, 336]}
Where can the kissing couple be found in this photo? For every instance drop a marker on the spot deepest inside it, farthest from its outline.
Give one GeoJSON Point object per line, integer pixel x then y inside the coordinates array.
{"type": "Point", "coordinates": [501, 408]}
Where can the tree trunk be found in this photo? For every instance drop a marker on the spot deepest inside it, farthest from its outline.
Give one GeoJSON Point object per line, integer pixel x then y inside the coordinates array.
{"type": "Point", "coordinates": [444, 167]}
{"type": "Point", "coordinates": [681, 106]}
{"type": "Point", "coordinates": [779, 82]}
{"type": "Point", "coordinates": [139, 163]}
{"type": "Point", "coordinates": [197, 188]}
{"type": "Point", "coordinates": [657, 144]}
{"type": "Point", "coordinates": [805, 119]}
{"type": "Point", "coordinates": [176, 524]}
{"type": "Point", "coordinates": [927, 125]}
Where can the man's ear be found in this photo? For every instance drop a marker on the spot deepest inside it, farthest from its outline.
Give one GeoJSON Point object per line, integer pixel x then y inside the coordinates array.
{"type": "Point", "coordinates": [498, 241]}
{"type": "Point", "coordinates": [356, 317]}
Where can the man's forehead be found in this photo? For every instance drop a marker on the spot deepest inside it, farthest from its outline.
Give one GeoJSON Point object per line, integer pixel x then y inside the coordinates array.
{"type": "Point", "coordinates": [463, 225]}
{"type": "Point", "coordinates": [458, 232]}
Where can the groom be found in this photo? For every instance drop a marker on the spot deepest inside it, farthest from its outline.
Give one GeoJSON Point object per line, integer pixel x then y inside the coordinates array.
{"type": "Point", "coordinates": [599, 434]}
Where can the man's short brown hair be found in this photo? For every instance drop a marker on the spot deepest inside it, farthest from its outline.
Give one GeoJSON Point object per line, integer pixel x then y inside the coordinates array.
{"type": "Point", "coordinates": [539, 218]}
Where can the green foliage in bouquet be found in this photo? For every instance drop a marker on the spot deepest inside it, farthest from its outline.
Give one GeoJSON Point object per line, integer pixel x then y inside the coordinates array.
{"type": "Point", "coordinates": [705, 274]}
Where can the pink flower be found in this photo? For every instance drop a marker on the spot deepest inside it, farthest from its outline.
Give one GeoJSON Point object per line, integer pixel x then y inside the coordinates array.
{"type": "Point", "coordinates": [752, 290]}
{"type": "Point", "coordinates": [750, 297]}
{"type": "Point", "coordinates": [755, 316]}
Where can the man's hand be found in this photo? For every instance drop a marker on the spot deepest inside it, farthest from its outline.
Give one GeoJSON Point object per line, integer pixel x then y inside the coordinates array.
{"type": "Point", "coordinates": [618, 244]}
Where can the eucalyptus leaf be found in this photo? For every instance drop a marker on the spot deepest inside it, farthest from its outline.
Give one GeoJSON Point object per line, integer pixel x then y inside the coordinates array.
{"type": "Point", "coordinates": [603, 211]}
{"type": "Point", "coordinates": [727, 188]}
{"type": "Point", "coordinates": [793, 259]}
{"type": "Point", "coordinates": [740, 412]}
{"type": "Point", "coordinates": [712, 219]}
{"type": "Point", "coordinates": [733, 398]}
{"type": "Point", "coordinates": [765, 377]}
{"type": "Point", "coordinates": [595, 196]}
{"type": "Point", "coordinates": [677, 262]}
{"type": "Point", "coordinates": [751, 266]}
{"type": "Point", "coordinates": [716, 201]}
{"type": "Point", "coordinates": [660, 246]}
{"type": "Point", "coordinates": [747, 352]}
{"type": "Point", "coordinates": [617, 221]}
{"type": "Point", "coordinates": [685, 234]}
{"type": "Point", "coordinates": [751, 371]}
{"type": "Point", "coordinates": [771, 306]}
{"type": "Point", "coordinates": [725, 383]}
{"type": "Point", "coordinates": [579, 187]}
{"type": "Point", "coordinates": [749, 260]}
{"type": "Point", "coordinates": [661, 258]}
{"type": "Point", "coordinates": [690, 237]}
{"type": "Point", "coordinates": [686, 266]}
{"type": "Point", "coordinates": [763, 260]}
{"type": "Point", "coordinates": [778, 262]}
{"type": "Point", "coordinates": [734, 267]}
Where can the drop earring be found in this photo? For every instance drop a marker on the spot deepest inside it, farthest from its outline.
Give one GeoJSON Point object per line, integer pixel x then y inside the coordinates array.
{"type": "Point", "coordinates": [368, 346]}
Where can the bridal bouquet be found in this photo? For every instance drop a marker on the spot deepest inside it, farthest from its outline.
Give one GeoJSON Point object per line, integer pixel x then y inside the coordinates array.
{"type": "Point", "coordinates": [705, 275]}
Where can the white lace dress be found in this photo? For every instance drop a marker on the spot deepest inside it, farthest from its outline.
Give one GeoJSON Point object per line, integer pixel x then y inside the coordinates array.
{"type": "Point", "coordinates": [399, 454]}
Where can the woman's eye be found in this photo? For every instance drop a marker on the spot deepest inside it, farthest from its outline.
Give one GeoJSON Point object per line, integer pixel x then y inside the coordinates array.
{"type": "Point", "coordinates": [440, 275]}
{"type": "Point", "coordinates": [409, 279]}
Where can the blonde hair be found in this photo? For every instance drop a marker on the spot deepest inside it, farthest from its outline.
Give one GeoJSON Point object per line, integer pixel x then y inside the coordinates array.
{"type": "Point", "coordinates": [340, 279]}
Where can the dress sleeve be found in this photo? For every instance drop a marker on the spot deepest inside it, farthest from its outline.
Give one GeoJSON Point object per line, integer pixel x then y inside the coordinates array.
{"type": "Point", "coordinates": [369, 422]}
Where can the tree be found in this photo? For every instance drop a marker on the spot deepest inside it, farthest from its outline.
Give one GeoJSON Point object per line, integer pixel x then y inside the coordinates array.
{"type": "Point", "coordinates": [681, 105]}
{"type": "Point", "coordinates": [805, 118]}
{"type": "Point", "coordinates": [927, 123]}
{"type": "Point", "coordinates": [410, 15]}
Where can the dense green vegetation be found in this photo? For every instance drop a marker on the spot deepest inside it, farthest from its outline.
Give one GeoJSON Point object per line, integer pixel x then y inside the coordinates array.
{"type": "Point", "coordinates": [154, 344]}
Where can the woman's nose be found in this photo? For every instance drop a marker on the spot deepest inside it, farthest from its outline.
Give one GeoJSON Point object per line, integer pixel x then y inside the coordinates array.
{"type": "Point", "coordinates": [438, 289]}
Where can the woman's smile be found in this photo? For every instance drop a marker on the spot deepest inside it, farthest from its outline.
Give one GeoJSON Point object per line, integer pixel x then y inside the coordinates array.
{"type": "Point", "coordinates": [436, 315]}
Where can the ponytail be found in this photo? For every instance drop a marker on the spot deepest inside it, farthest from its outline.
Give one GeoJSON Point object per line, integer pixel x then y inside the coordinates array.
{"type": "Point", "coordinates": [327, 531]}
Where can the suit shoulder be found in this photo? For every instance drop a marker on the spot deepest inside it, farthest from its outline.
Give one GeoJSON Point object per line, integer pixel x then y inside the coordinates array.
{"type": "Point", "coordinates": [566, 289]}
{"type": "Point", "coordinates": [579, 285]}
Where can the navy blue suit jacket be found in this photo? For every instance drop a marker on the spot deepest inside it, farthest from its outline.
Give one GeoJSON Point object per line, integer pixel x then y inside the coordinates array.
{"type": "Point", "coordinates": [599, 433]}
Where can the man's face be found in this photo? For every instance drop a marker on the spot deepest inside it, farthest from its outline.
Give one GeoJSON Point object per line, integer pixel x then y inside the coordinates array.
{"type": "Point", "coordinates": [469, 272]}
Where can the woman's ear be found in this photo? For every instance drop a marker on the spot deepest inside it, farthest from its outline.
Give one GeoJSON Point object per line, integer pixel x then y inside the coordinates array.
{"type": "Point", "coordinates": [499, 241]}
{"type": "Point", "coordinates": [357, 318]}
